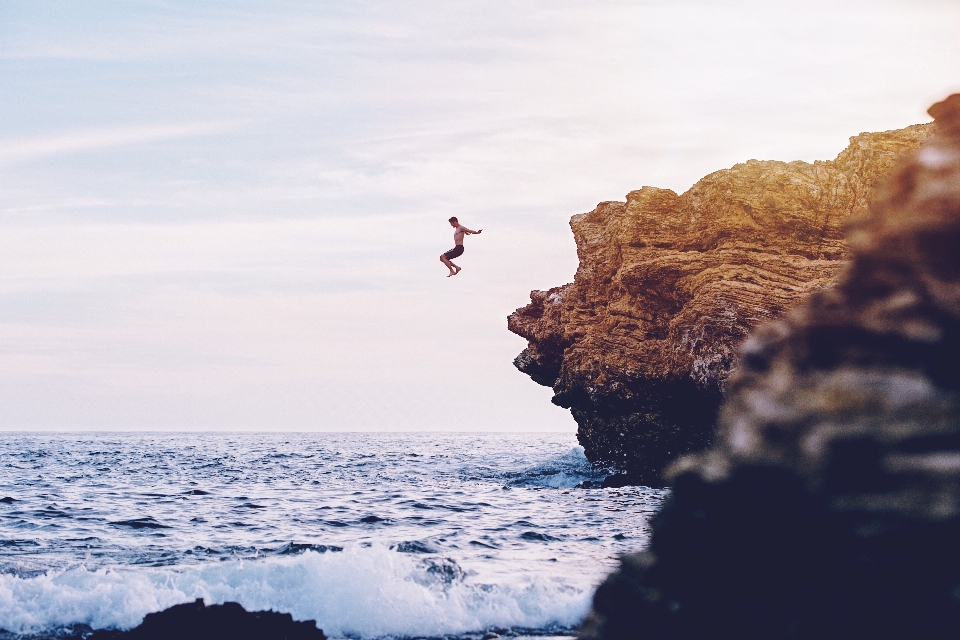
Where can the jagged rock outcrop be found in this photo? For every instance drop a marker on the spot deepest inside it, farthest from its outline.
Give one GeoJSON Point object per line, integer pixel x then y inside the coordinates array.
{"type": "Point", "coordinates": [830, 505]}
{"type": "Point", "coordinates": [228, 621]}
{"type": "Point", "coordinates": [640, 344]}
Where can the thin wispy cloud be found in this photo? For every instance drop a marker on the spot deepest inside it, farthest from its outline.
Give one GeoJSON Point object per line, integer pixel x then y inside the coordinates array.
{"type": "Point", "coordinates": [20, 149]}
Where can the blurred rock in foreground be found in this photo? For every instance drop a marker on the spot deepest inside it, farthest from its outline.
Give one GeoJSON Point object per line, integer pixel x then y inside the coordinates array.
{"type": "Point", "coordinates": [640, 344]}
{"type": "Point", "coordinates": [830, 505]}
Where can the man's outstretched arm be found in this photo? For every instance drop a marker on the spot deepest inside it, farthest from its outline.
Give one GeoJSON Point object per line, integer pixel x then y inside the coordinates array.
{"type": "Point", "coordinates": [470, 232]}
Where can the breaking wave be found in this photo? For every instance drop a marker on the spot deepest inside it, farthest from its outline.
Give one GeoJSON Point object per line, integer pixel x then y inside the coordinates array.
{"type": "Point", "coordinates": [366, 592]}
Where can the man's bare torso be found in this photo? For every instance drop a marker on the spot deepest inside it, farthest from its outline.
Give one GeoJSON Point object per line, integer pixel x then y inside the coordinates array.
{"type": "Point", "coordinates": [458, 233]}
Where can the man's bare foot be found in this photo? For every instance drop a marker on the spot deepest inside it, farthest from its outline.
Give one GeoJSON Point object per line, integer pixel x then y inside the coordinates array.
{"type": "Point", "coordinates": [453, 273]}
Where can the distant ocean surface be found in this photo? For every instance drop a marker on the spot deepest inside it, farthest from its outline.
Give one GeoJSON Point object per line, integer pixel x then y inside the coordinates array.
{"type": "Point", "coordinates": [370, 534]}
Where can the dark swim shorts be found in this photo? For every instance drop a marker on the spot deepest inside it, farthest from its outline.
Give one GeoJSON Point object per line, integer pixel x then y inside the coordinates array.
{"type": "Point", "coordinates": [456, 252]}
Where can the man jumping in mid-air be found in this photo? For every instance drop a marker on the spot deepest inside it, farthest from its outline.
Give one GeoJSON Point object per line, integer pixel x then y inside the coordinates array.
{"type": "Point", "coordinates": [458, 232]}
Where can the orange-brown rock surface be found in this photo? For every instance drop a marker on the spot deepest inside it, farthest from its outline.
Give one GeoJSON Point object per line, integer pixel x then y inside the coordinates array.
{"type": "Point", "coordinates": [639, 346]}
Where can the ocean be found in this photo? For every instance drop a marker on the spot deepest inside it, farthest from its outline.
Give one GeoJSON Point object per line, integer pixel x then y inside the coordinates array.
{"type": "Point", "coordinates": [373, 535]}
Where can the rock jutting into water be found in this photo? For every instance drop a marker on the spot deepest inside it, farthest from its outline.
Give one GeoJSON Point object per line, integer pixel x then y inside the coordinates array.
{"type": "Point", "coordinates": [829, 506]}
{"type": "Point", "coordinates": [228, 621]}
{"type": "Point", "coordinates": [640, 344]}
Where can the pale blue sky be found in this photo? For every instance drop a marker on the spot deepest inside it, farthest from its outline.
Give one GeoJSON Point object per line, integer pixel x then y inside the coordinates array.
{"type": "Point", "coordinates": [229, 217]}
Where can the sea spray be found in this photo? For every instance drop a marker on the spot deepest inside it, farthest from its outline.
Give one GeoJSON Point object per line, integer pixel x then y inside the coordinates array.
{"type": "Point", "coordinates": [363, 591]}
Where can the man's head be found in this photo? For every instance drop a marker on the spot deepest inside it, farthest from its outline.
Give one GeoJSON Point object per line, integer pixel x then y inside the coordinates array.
{"type": "Point", "coordinates": [453, 221]}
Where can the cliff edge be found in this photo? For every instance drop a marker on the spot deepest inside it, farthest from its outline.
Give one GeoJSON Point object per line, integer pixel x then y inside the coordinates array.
{"type": "Point", "coordinates": [639, 346]}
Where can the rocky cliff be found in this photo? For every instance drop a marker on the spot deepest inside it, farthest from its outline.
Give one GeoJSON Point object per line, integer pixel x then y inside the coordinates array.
{"type": "Point", "coordinates": [830, 505]}
{"type": "Point", "coordinates": [639, 346]}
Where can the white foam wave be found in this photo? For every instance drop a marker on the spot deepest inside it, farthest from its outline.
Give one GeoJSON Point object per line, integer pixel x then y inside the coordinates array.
{"type": "Point", "coordinates": [368, 592]}
{"type": "Point", "coordinates": [565, 472]}
{"type": "Point", "coordinates": [576, 455]}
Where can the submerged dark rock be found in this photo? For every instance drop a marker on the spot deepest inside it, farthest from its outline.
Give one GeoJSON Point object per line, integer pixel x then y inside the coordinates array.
{"type": "Point", "coordinates": [617, 480]}
{"type": "Point", "coordinates": [414, 546]}
{"type": "Point", "coordinates": [294, 548]}
{"type": "Point", "coordinates": [228, 621]}
{"type": "Point", "coordinates": [829, 506]}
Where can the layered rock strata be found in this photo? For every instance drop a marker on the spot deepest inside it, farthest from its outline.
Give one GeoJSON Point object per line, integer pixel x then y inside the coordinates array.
{"type": "Point", "coordinates": [639, 346]}
{"type": "Point", "coordinates": [830, 505]}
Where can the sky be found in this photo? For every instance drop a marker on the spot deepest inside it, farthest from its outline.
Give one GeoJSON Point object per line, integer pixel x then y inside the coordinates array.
{"type": "Point", "coordinates": [228, 215]}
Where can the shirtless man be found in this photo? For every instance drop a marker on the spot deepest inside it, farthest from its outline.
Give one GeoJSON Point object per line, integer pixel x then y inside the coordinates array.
{"type": "Point", "coordinates": [458, 232]}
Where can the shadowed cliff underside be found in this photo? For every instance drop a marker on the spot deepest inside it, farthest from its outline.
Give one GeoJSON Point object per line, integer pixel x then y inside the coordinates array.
{"type": "Point", "coordinates": [639, 346]}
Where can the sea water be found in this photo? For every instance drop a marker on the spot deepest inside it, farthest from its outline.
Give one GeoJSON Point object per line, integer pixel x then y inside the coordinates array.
{"type": "Point", "coordinates": [370, 534]}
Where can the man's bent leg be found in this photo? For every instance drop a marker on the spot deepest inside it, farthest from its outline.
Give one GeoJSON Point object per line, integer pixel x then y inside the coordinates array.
{"type": "Point", "coordinates": [445, 260]}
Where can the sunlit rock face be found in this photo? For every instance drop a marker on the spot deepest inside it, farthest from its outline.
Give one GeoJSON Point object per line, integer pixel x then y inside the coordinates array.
{"type": "Point", "coordinates": [639, 346]}
{"type": "Point", "coordinates": [829, 506]}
